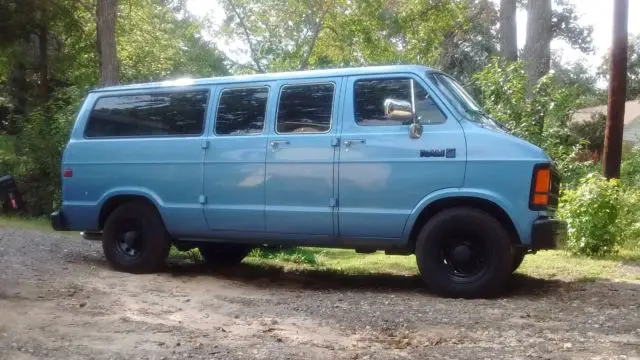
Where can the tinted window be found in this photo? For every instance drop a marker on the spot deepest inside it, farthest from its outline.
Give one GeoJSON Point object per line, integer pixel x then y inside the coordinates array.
{"type": "Point", "coordinates": [388, 102]}
{"type": "Point", "coordinates": [305, 108]}
{"type": "Point", "coordinates": [241, 111]}
{"type": "Point", "coordinates": [160, 114]}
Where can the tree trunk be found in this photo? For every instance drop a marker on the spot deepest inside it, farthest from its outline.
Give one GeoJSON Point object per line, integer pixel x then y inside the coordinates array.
{"type": "Point", "coordinates": [537, 50]}
{"type": "Point", "coordinates": [106, 41]}
{"type": "Point", "coordinates": [43, 54]}
{"type": "Point", "coordinates": [508, 30]}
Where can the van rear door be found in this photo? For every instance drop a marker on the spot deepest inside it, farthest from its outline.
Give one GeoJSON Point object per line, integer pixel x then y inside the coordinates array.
{"type": "Point", "coordinates": [300, 195]}
{"type": "Point", "coordinates": [234, 161]}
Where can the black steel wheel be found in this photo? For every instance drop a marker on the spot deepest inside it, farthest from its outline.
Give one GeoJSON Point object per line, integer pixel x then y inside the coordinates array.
{"type": "Point", "coordinates": [135, 239]}
{"type": "Point", "coordinates": [464, 252]}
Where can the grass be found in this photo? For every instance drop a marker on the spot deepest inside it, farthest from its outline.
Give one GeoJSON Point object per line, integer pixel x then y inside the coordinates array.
{"type": "Point", "coordinates": [559, 264]}
{"type": "Point", "coordinates": [29, 223]}
{"type": "Point", "coordinates": [555, 264]}
{"type": "Point", "coordinates": [552, 264]}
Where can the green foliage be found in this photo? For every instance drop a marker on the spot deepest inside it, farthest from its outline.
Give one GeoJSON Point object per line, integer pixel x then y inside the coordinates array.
{"type": "Point", "coordinates": [154, 40]}
{"type": "Point", "coordinates": [573, 166]}
{"type": "Point", "coordinates": [295, 34]}
{"type": "Point", "coordinates": [630, 169]}
{"type": "Point", "coordinates": [633, 68]}
{"type": "Point", "coordinates": [468, 47]}
{"type": "Point", "coordinates": [629, 219]}
{"type": "Point", "coordinates": [177, 48]}
{"type": "Point", "coordinates": [592, 131]}
{"type": "Point", "coordinates": [578, 76]}
{"type": "Point", "coordinates": [290, 255]}
{"type": "Point", "coordinates": [541, 118]}
{"type": "Point", "coordinates": [592, 211]}
{"type": "Point", "coordinates": [39, 147]}
{"type": "Point", "coordinates": [565, 25]}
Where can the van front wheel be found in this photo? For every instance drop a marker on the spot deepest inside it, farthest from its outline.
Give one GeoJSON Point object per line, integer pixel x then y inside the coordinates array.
{"type": "Point", "coordinates": [134, 238]}
{"type": "Point", "coordinates": [464, 252]}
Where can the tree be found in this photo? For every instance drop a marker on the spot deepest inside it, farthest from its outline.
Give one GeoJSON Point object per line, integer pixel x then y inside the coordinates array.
{"type": "Point", "coordinates": [48, 61]}
{"type": "Point", "coordinates": [544, 25]}
{"type": "Point", "coordinates": [576, 76]}
{"type": "Point", "coordinates": [469, 45]}
{"type": "Point", "coordinates": [106, 41]}
{"type": "Point", "coordinates": [508, 30]}
{"type": "Point", "coordinates": [537, 50]}
{"type": "Point", "coordinates": [633, 68]}
{"type": "Point", "coordinates": [295, 34]}
{"type": "Point", "coordinates": [280, 34]}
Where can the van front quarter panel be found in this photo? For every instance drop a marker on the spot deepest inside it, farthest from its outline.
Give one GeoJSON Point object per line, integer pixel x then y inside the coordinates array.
{"type": "Point", "coordinates": [502, 165]}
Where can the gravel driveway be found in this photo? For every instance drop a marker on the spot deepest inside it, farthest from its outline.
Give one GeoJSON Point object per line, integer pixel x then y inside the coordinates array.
{"type": "Point", "coordinates": [60, 300]}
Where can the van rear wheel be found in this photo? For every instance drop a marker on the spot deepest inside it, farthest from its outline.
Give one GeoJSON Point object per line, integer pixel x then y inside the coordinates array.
{"type": "Point", "coordinates": [464, 252]}
{"type": "Point", "coordinates": [223, 254]}
{"type": "Point", "coordinates": [134, 238]}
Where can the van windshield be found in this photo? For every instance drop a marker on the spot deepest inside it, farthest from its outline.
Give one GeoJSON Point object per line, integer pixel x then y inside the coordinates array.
{"type": "Point", "coordinates": [460, 98]}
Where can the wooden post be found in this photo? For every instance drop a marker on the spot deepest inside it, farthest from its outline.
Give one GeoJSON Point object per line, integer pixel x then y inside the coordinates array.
{"type": "Point", "coordinates": [617, 91]}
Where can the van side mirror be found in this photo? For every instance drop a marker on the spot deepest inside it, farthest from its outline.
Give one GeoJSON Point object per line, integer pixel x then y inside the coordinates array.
{"type": "Point", "coordinates": [398, 110]}
{"type": "Point", "coordinates": [415, 129]}
{"type": "Point", "coordinates": [404, 112]}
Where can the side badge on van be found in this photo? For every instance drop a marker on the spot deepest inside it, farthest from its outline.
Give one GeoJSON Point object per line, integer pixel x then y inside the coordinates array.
{"type": "Point", "coordinates": [448, 153]}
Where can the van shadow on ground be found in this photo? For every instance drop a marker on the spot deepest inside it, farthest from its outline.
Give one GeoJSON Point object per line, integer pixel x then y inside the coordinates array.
{"type": "Point", "coordinates": [327, 279]}
{"type": "Point", "coordinates": [520, 285]}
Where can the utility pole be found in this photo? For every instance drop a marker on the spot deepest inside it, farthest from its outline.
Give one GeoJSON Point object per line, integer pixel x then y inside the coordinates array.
{"type": "Point", "coordinates": [617, 91]}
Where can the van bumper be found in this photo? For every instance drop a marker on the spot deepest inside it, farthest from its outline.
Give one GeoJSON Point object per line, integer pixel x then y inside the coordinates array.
{"type": "Point", "coordinates": [548, 233]}
{"type": "Point", "coordinates": [58, 221]}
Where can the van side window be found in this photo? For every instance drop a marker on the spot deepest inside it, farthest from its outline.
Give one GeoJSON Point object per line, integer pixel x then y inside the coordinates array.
{"type": "Point", "coordinates": [305, 108]}
{"type": "Point", "coordinates": [388, 102]}
{"type": "Point", "coordinates": [154, 114]}
{"type": "Point", "coordinates": [242, 111]}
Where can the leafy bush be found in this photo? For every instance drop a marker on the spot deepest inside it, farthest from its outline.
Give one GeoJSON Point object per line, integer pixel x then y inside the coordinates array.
{"type": "Point", "coordinates": [592, 211]}
{"type": "Point", "coordinates": [630, 169]}
{"type": "Point", "coordinates": [572, 165]}
{"type": "Point", "coordinates": [629, 219]}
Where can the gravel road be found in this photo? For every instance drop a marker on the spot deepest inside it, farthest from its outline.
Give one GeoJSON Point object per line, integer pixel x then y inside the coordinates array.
{"type": "Point", "coordinates": [60, 300]}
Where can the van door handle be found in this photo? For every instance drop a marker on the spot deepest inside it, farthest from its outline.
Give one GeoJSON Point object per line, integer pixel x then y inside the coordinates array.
{"type": "Point", "coordinates": [349, 142]}
{"type": "Point", "coordinates": [276, 143]}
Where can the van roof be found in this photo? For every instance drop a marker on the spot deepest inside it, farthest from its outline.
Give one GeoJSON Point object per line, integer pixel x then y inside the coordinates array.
{"type": "Point", "coordinates": [366, 70]}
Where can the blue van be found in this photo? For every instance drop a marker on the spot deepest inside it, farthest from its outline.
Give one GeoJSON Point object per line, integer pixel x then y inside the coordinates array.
{"type": "Point", "coordinates": [395, 158]}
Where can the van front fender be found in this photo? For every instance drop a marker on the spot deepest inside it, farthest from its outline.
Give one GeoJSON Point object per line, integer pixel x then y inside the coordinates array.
{"type": "Point", "coordinates": [471, 194]}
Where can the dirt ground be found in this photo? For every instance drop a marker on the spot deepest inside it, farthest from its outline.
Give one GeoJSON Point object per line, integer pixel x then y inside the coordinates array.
{"type": "Point", "coordinates": [60, 300]}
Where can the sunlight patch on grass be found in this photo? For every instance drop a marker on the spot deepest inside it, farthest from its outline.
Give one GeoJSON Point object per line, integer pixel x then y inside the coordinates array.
{"type": "Point", "coordinates": [560, 264]}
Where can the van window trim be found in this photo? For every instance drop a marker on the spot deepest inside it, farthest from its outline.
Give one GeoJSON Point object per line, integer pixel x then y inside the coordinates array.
{"type": "Point", "coordinates": [395, 76]}
{"type": "Point", "coordinates": [217, 106]}
{"type": "Point", "coordinates": [331, 118]}
{"type": "Point", "coordinates": [138, 92]}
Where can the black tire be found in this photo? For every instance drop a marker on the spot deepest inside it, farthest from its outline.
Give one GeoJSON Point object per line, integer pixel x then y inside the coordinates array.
{"type": "Point", "coordinates": [223, 254]}
{"type": "Point", "coordinates": [135, 239]}
{"type": "Point", "coordinates": [518, 257]}
{"type": "Point", "coordinates": [464, 252]}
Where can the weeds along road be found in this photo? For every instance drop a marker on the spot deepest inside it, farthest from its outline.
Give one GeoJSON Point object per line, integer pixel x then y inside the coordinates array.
{"type": "Point", "coordinates": [60, 300]}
